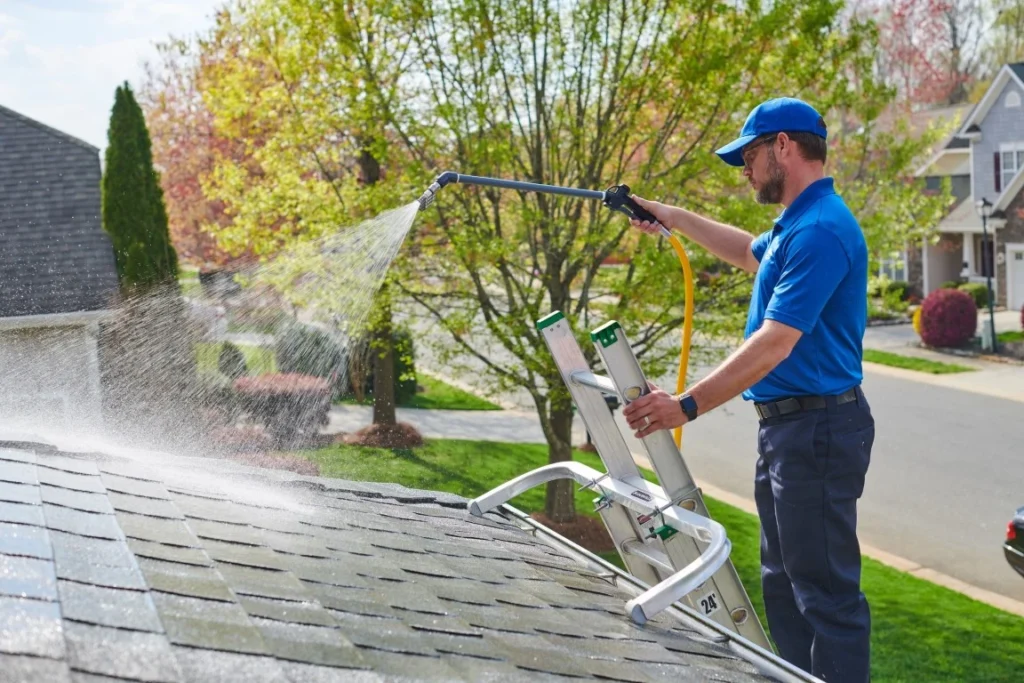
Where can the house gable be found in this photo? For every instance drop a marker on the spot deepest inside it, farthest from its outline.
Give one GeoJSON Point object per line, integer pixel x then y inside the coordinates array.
{"type": "Point", "coordinates": [54, 255]}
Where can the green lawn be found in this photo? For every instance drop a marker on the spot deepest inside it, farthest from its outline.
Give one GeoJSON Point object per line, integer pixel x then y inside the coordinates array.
{"type": "Point", "coordinates": [438, 395]}
{"type": "Point", "coordinates": [910, 363]}
{"type": "Point", "coordinates": [1010, 336]}
{"type": "Point", "coordinates": [258, 359]}
{"type": "Point", "coordinates": [921, 632]}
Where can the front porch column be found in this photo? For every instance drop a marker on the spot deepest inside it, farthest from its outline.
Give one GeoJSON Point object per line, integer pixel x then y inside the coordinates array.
{"type": "Point", "coordinates": [968, 260]}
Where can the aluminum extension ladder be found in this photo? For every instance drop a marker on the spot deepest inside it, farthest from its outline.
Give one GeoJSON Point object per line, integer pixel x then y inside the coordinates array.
{"type": "Point", "coordinates": [664, 534]}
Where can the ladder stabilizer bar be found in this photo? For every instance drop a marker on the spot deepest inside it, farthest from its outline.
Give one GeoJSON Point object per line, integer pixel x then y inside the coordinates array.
{"type": "Point", "coordinates": [638, 499]}
{"type": "Point", "coordinates": [585, 378]}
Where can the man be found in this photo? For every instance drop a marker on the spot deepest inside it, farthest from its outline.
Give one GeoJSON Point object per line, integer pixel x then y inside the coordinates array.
{"type": "Point", "coordinates": [800, 365]}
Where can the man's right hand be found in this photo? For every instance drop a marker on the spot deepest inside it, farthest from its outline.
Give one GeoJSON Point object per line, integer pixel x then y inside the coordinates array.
{"type": "Point", "coordinates": [660, 211]}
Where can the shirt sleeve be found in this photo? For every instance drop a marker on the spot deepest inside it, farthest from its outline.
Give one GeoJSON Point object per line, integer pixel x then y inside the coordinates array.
{"type": "Point", "coordinates": [813, 266]}
{"type": "Point", "coordinates": [760, 244]}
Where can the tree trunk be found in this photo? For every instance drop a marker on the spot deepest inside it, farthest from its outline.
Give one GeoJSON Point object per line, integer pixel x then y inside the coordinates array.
{"type": "Point", "coordinates": [560, 502]}
{"type": "Point", "coordinates": [383, 365]}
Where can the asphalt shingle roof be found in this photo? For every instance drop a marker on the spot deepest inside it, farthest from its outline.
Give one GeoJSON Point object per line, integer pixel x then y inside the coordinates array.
{"type": "Point", "coordinates": [54, 255]}
{"type": "Point", "coordinates": [1018, 68]}
{"type": "Point", "coordinates": [198, 569]}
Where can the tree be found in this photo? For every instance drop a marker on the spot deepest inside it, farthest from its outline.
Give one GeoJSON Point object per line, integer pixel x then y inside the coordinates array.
{"type": "Point", "coordinates": [584, 94]}
{"type": "Point", "coordinates": [306, 88]}
{"type": "Point", "coordinates": [185, 146]}
{"type": "Point", "coordinates": [133, 208]}
{"type": "Point", "coordinates": [929, 50]}
{"type": "Point", "coordinates": [1006, 37]}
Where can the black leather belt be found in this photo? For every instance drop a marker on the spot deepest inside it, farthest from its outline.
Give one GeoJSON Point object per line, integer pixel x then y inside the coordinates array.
{"type": "Point", "coordinates": [795, 404]}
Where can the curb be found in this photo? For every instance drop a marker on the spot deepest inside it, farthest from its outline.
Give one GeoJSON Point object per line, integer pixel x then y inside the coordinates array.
{"type": "Point", "coordinates": [895, 561]}
{"type": "Point", "coordinates": [943, 381]}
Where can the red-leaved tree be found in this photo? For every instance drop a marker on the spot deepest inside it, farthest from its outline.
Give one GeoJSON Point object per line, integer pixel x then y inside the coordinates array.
{"type": "Point", "coordinates": [929, 49]}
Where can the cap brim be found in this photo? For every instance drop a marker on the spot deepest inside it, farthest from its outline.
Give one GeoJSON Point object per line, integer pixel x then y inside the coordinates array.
{"type": "Point", "coordinates": [732, 153]}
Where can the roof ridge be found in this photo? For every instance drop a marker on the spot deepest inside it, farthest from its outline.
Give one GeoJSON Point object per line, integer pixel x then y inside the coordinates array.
{"type": "Point", "coordinates": [48, 129]}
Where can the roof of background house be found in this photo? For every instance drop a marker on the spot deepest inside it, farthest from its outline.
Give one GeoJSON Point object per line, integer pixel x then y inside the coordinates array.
{"type": "Point", "coordinates": [186, 568]}
{"type": "Point", "coordinates": [1018, 68]}
{"type": "Point", "coordinates": [54, 255]}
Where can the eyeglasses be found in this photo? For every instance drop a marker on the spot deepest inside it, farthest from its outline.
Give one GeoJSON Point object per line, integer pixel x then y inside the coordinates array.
{"type": "Point", "coordinates": [751, 152]}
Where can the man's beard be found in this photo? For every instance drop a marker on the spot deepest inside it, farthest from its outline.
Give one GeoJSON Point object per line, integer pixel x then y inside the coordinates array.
{"type": "Point", "coordinates": [771, 190]}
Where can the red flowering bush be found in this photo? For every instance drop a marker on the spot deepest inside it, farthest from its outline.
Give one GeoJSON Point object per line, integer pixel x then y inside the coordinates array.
{"type": "Point", "coordinates": [292, 407]}
{"type": "Point", "coordinates": [1022, 317]}
{"type": "Point", "coordinates": [949, 317]}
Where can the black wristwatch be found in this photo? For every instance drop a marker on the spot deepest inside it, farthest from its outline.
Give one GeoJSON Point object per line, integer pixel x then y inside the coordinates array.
{"type": "Point", "coordinates": [689, 407]}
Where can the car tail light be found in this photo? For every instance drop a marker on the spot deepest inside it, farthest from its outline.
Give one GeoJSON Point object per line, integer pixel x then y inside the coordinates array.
{"type": "Point", "coordinates": [1011, 531]}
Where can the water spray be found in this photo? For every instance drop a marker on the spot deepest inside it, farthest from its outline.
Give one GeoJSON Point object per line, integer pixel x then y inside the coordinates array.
{"type": "Point", "coordinates": [616, 198]}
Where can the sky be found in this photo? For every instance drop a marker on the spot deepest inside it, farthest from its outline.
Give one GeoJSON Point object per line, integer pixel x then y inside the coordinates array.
{"type": "Point", "coordinates": [62, 60]}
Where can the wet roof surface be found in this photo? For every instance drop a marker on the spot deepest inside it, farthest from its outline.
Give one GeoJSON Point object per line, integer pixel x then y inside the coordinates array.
{"type": "Point", "coordinates": [196, 569]}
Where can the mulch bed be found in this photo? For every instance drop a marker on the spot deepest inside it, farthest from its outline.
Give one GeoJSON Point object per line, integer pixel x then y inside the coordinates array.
{"type": "Point", "coordinates": [401, 435]}
{"type": "Point", "coordinates": [588, 532]}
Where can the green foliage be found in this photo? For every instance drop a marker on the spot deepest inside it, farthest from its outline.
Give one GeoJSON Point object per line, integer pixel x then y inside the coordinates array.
{"type": "Point", "coordinates": [978, 292]}
{"type": "Point", "coordinates": [231, 361]}
{"type": "Point", "coordinates": [133, 202]}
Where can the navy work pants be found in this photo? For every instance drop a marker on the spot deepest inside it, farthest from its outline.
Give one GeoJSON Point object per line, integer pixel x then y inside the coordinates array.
{"type": "Point", "coordinates": [810, 474]}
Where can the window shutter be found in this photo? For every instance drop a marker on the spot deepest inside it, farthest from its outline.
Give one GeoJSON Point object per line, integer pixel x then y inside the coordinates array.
{"type": "Point", "coordinates": [999, 173]}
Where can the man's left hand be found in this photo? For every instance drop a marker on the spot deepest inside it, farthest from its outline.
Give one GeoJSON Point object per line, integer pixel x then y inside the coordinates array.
{"type": "Point", "coordinates": [651, 412]}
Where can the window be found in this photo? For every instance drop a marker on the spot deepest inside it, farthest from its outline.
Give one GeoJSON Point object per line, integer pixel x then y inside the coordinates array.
{"type": "Point", "coordinates": [1011, 160]}
{"type": "Point", "coordinates": [894, 267]}
{"type": "Point", "coordinates": [1012, 100]}
{"type": "Point", "coordinates": [983, 256]}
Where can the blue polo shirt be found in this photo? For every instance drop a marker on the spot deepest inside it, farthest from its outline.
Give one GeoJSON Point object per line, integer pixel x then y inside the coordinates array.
{"type": "Point", "coordinates": [814, 277]}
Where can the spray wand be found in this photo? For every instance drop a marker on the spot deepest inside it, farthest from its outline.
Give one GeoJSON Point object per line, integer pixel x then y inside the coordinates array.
{"type": "Point", "coordinates": [616, 198]}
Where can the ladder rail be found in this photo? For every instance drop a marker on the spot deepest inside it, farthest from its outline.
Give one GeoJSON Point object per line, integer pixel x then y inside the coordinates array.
{"type": "Point", "coordinates": [670, 590]}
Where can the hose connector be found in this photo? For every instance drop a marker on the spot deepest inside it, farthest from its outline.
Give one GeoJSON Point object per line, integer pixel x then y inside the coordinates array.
{"type": "Point", "coordinates": [427, 198]}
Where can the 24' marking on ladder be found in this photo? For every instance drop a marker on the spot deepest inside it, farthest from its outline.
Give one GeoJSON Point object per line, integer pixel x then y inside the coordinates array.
{"type": "Point", "coordinates": [709, 603]}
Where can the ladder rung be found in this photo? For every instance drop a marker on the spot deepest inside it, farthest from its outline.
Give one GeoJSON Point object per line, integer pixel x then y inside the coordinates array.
{"type": "Point", "coordinates": [655, 557]}
{"type": "Point", "coordinates": [588, 379]}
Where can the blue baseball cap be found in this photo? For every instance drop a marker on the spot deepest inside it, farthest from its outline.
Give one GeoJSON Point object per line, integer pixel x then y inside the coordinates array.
{"type": "Point", "coordinates": [773, 116]}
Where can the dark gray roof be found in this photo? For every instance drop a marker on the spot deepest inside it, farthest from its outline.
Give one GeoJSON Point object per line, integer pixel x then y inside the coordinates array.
{"type": "Point", "coordinates": [54, 255]}
{"type": "Point", "coordinates": [1018, 68]}
{"type": "Point", "coordinates": [958, 143]}
{"type": "Point", "coordinates": [196, 569]}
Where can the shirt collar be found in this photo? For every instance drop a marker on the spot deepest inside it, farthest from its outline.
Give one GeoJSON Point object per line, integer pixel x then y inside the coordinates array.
{"type": "Point", "coordinates": [812, 193]}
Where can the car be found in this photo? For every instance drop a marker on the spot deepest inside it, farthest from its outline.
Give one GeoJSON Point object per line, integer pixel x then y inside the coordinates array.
{"type": "Point", "coordinates": [1013, 546]}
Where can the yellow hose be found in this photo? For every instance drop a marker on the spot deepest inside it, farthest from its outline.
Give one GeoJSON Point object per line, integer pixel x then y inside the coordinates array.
{"type": "Point", "coordinates": [684, 353]}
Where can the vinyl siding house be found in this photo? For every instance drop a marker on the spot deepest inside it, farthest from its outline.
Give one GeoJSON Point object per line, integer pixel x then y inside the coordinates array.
{"type": "Point", "coordinates": [58, 277]}
{"type": "Point", "coordinates": [984, 160]}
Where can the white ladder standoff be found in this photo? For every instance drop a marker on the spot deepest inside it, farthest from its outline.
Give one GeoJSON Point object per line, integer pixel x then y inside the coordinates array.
{"type": "Point", "coordinates": [664, 534]}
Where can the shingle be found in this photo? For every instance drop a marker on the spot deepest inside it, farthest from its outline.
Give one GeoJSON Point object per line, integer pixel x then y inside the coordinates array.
{"type": "Point", "coordinates": [211, 510]}
{"type": "Point", "coordinates": [18, 473]}
{"type": "Point", "coordinates": [311, 673]}
{"type": "Point", "coordinates": [169, 553]}
{"type": "Point", "coordinates": [169, 531]}
{"type": "Point", "coordinates": [118, 653]}
{"type": "Point", "coordinates": [19, 493]}
{"type": "Point", "coordinates": [66, 464]}
{"type": "Point", "coordinates": [201, 666]}
{"type": "Point", "coordinates": [28, 541]}
{"type": "Point", "coordinates": [219, 531]}
{"type": "Point", "coordinates": [152, 507]}
{"type": "Point", "coordinates": [71, 549]}
{"type": "Point", "coordinates": [280, 610]}
{"type": "Point", "coordinates": [333, 572]}
{"type": "Point", "coordinates": [26, 669]}
{"type": "Point", "coordinates": [81, 523]}
{"type": "Point", "coordinates": [350, 600]}
{"type": "Point", "coordinates": [186, 580]}
{"type": "Point", "coordinates": [403, 667]}
{"type": "Point", "coordinates": [134, 487]}
{"type": "Point", "coordinates": [263, 583]}
{"type": "Point", "coordinates": [208, 624]}
{"type": "Point", "coordinates": [245, 555]}
{"type": "Point", "coordinates": [20, 513]}
{"type": "Point", "coordinates": [30, 627]}
{"type": "Point", "coordinates": [108, 607]}
{"type": "Point", "coordinates": [14, 455]}
{"type": "Point", "coordinates": [88, 502]}
{"type": "Point", "coordinates": [294, 544]}
{"type": "Point", "coordinates": [67, 480]}
{"type": "Point", "coordinates": [27, 577]}
{"type": "Point", "coordinates": [309, 644]}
